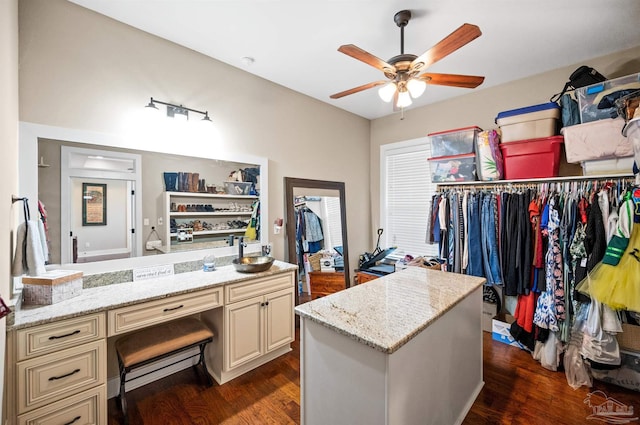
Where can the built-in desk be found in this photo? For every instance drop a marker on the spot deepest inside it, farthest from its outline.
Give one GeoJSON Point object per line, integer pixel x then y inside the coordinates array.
{"type": "Point", "coordinates": [60, 360]}
{"type": "Point", "coordinates": [402, 349]}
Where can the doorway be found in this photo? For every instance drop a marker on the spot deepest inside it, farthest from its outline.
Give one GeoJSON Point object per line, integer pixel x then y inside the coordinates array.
{"type": "Point", "coordinates": [99, 197]}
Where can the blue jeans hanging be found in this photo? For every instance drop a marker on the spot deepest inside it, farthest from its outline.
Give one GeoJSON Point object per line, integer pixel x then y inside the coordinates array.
{"type": "Point", "coordinates": [489, 241]}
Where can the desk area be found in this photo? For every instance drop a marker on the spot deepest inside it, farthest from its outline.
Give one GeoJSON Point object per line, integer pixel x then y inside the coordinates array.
{"type": "Point", "coordinates": [60, 360]}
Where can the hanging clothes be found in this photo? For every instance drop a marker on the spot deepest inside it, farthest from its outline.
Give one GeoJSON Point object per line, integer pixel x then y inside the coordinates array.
{"type": "Point", "coordinates": [309, 233]}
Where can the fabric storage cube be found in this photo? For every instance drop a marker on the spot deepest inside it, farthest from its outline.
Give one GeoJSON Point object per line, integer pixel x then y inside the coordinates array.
{"type": "Point", "coordinates": [535, 158]}
{"type": "Point", "coordinates": [51, 287]}
{"type": "Point", "coordinates": [607, 166]}
{"type": "Point", "coordinates": [595, 102]}
{"type": "Point", "coordinates": [237, 188]}
{"type": "Point", "coordinates": [453, 142]}
{"type": "Point", "coordinates": [600, 139]}
{"type": "Point", "coordinates": [530, 122]}
{"type": "Point", "coordinates": [453, 168]}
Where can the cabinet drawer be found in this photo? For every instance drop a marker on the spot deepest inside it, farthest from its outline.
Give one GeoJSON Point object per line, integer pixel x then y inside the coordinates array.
{"type": "Point", "coordinates": [51, 337]}
{"type": "Point", "coordinates": [86, 408]}
{"type": "Point", "coordinates": [139, 316]}
{"type": "Point", "coordinates": [326, 282]}
{"type": "Point", "coordinates": [52, 377]}
{"type": "Point", "coordinates": [245, 290]}
{"type": "Point", "coordinates": [362, 277]}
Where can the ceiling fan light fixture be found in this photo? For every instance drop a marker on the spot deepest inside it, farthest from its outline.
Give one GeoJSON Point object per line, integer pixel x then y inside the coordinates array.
{"type": "Point", "coordinates": [404, 99]}
{"type": "Point", "coordinates": [416, 87]}
{"type": "Point", "coordinates": [387, 91]}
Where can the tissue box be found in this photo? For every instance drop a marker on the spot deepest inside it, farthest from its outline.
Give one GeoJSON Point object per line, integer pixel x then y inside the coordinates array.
{"type": "Point", "coordinates": [51, 287]}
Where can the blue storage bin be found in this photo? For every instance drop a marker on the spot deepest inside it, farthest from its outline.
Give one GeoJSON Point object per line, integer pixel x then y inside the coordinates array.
{"type": "Point", "coordinates": [531, 122]}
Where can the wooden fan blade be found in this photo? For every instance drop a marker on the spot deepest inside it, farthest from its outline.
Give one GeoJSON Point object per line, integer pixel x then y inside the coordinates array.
{"type": "Point", "coordinates": [366, 57]}
{"type": "Point", "coordinates": [463, 35]}
{"type": "Point", "coordinates": [466, 81]}
{"type": "Point", "coordinates": [357, 89]}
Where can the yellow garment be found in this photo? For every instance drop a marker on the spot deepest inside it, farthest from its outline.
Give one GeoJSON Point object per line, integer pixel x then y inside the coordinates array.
{"type": "Point", "coordinates": [617, 286]}
{"type": "Point", "coordinates": [252, 229]}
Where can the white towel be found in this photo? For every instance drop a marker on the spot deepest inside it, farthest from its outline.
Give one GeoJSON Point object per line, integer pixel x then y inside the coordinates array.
{"type": "Point", "coordinates": [43, 241]}
{"type": "Point", "coordinates": [29, 258]}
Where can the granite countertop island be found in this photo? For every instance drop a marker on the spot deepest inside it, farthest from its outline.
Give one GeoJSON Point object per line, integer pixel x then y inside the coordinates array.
{"type": "Point", "coordinates": [102, 298]}
{"type": "Point", "coordinates": [405, 348]}
{"type": "Point", "coordinates": [386, 313]}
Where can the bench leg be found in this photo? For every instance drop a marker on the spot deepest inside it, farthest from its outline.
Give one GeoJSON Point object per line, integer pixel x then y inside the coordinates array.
{"type": "Point", "coordinates": [123, 396]}
{"type": "Point", "coordinates": [202, 362]}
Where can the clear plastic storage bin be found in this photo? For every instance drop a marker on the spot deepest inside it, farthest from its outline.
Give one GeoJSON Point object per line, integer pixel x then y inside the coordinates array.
{"type": "Point", "coordinates": [593, 101]}
{"type": "Point", "coordinates": [453, 142]}
{"type": "Point", "coordinates": [453, 168]}
{"type": "Point", "coordinates": [238, 188]}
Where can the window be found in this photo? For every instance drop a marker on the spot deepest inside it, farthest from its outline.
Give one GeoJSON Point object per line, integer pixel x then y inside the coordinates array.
{"type": "Point", "coordinates": [405, 197]}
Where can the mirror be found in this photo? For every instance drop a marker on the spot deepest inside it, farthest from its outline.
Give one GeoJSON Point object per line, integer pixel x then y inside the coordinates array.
{"type": "Point", "coordinates": [113, 171]}
{"type": "Point", "coordinates": [317, 196]}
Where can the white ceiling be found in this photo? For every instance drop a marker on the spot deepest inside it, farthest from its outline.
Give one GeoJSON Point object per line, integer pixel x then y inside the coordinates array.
{"type": "Point", "coordinates": [294, 42]}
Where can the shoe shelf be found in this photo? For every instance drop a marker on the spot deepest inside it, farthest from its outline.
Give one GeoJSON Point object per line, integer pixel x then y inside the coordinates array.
{"type": "Point", "coordinates": [221, 215]}
{"type": "Point", "coordinates": [208, 195]}
{"type": "Point", "coordinates": [214, 232]}
{"type": "Point", "coordinates": [209, 214]}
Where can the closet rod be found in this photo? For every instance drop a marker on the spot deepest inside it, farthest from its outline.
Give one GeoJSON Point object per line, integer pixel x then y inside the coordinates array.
{"type": "Point", "coordinates": [533, 181]}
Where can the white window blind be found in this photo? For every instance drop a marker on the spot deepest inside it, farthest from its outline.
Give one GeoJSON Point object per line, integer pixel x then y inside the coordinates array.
{"type": "Point", "coordinates": [331, 206]}
{"type": "Point", "coordinates": [406, 191]}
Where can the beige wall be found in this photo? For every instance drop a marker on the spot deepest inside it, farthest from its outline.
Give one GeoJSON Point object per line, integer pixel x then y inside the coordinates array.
{"type": "Point", "coordinates": [81, 70]}
{"type": "Point", "coordinates": [480, 108]}
{"type": "Point", "coordinates": [9, 157]}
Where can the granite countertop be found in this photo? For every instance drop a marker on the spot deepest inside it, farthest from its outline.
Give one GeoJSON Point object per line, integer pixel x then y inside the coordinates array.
{"type": "Point", "coordinates": [122, 294]}
{"type": "Point", "coordinates": [388, 312]}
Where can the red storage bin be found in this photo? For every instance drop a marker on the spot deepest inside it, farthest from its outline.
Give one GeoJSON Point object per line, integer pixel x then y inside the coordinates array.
{"type": "Point", "coordinates": [533, 158]}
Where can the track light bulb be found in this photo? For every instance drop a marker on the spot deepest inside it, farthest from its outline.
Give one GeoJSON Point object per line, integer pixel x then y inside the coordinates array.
{"type": "Point", "coordinates": [416, 87]}
{"type": "Point", "coordinates": [387, 91]}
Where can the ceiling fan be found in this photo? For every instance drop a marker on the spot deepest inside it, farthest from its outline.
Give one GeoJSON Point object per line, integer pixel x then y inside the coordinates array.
{"type": "Point", "coordinates": [403, 71]}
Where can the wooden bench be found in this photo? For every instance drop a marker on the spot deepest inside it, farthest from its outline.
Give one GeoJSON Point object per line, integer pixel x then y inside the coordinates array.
{"type": "Point", "coordinates": [157, 342]}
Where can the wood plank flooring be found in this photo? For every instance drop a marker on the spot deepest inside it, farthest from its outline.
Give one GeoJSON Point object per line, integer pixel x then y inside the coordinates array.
{"type": "Point", "coordinates": [517, 391]}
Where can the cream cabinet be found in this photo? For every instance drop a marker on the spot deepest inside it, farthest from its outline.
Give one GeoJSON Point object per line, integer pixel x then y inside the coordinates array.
{"type": "Point", "coordinates": [138, 316]}
{"type": "Point", "coordinates": [256, 326]}
{"type": "Point", "coordinates": [56, 372]}
{"type": "Point", "coordinates": [60, 372]}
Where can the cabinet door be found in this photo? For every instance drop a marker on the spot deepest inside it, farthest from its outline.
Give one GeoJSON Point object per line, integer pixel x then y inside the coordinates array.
{"type": "Point", "coordinates": [243, 336]}
{"type": "Point", "coordinates": [279, 319]}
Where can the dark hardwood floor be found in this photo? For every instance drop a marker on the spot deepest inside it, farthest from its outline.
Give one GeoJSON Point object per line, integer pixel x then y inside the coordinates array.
{"type": "Point", "coordinates": [517, 390]}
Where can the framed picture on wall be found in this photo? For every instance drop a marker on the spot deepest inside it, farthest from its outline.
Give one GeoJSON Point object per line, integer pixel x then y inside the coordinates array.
{"type": "Point", "coordinates": [94, 204]}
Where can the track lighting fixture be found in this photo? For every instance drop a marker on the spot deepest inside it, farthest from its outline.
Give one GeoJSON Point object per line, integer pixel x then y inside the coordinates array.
{"type": "Point", "coordinates": [178, 112]}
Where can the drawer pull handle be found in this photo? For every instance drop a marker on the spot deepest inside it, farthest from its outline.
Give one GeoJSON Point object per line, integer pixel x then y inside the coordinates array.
{"type": "Point", "coordinates": [53, 378]}
{"type": "Point", "coordinates": [77, 331]}
{"type": "Point", "coordinates": [76, 419]}
{"type": "Point", "coordinates": [174, 308]}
